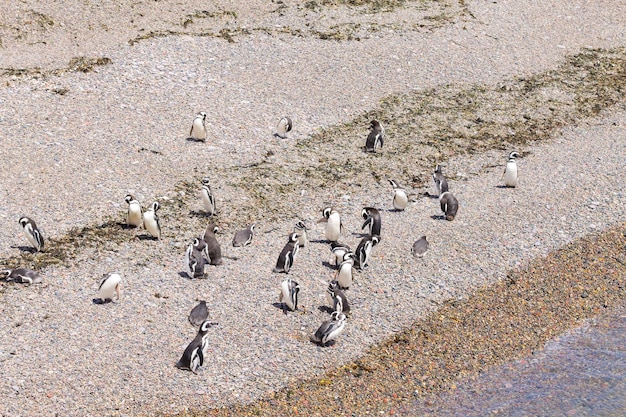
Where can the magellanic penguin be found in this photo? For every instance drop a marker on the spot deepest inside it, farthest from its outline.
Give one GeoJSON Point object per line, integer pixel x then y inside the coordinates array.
{"type": "Point", "coordinates": [420, 247]}
{"type": "Point", "coordinates": [287, 255]}
{"type": "Point", "coordinates": [372, 219]}
{"type": "Point", "coordinates": [449, 205]}
{"type": "Point", "coordinates": [133, 216]}
{"type": "Point", "coordinates": [339, 250]}
{"type": "Point", "coordinates": [510, 172]}
{"type": "Point", "coordinates": [244, 237]}
{"type": "Point", "coordinates": [344, 273]}
{"type": "Point", "coordinates": [198, 128]}
{"type": "Point", "coordinates": [337, 299]}
{"type": "Point", "coordinates": [213, 250]}
{"type": "Point", "coordinates": [32, 233]}
{"type": "Point", "coordinates": [208, 200]}
{"type": "Point", "coordinates": [376, 137]}
{"type": "Point", "coordinates": [194, 259]}
{"type": "Point", "coordinates": [21, 276]}
{"type": "Point", "coordinates": [195, 353]}
{"type": "Point", "coordinates": [301, 229]}
{"type": "Point", "coordinates": [289, 290]}
{"type": "Point", "coordinates": [364, 251]}
{"type": "Point", "coordinates": [198, 314]}
{"type": "Point", "coordinates": [284, 126]}
{"type": "Point", "coordinates": [441, 183]}
{"type": "Point", "coordinates": [151, 220]}
{"type": "Point", "coordinates": [330, 329]}
{"type": "Point", "coordinates": [400, 198]}
{"type": "Point", "coordinates": [333, 228]}
{"type": "Point", "coordinates": [109, 286]}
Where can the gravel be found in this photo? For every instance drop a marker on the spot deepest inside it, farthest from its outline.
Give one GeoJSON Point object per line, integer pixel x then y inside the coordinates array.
{"type": "Point", "coordinates": [121, 130]}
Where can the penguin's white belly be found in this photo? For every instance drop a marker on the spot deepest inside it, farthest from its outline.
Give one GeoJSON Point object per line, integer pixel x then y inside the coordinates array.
{"type": "Point", "coordinates": [344, 278]}
{"type": "Point", "coordinates": [197, 130]}
{"type": "Point", "coordinates": [400, 200]}
{"type": "Point", "coordinates": [208, 205]}
{"type": "Point", "coordinates": [510, 175]}
{"type": "Point", "coordinates": [150, 224]}
{"type": "Point", "coordinates": [333, 228]}
{"type": "Point", "coordinates": [134, 215]}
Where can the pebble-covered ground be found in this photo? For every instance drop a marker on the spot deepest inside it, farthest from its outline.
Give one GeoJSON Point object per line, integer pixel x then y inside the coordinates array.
{"type": "Point", "coordinates": [98, 133]}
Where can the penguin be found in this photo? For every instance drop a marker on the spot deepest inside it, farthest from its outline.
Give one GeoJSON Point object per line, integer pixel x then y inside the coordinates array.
{"type": "Point", "coordinates": [133, 217]}
{"type": "Point", "coordinates": [333, 227]}
{"type": "Point", "coordinates": [400, 198]}
{"type": "Point", "coordinates": [330, 329]}
{"type": "Point", "coordinates": [375, 137]}
{"type": "Point", "coordinates": [208, 200]}
{"type": "Point", "coordinates": [110, 285]}
{"type": "Point", "coordinates": [441, 183]}
{"type": "Point", "coordinates": [344, 274]}
{"type": "Point", "coordinates": [194, 259]}
{"type": "Point", "coordinates": [364, 250]}
{"type": "Point", "coordinates": [420, 247]}
{"type": "Point", "coordinates": [372, 219]}
{"type": "Point", "coordinates": [284, 126]}
{"type": "Point", "coordinates": [21, 276]}
{"type": "Point", "coordinates": [289, 290]}
{"type": "Point", "coordinates": [213, 250]}
{"type": "Point", "coordinates": [339, 250]}
{"type": "Point", "coordinates": [510, 172]}
{"type": "Point", "coordinates": [32, 233]}
{"type": "Point", "coordinates": [198, 314]}
{"type": "Point", "coordinates": [449, 205]}
{"type": "Point", "coordinates": [244, 237]}
{"type": "Point", "coordinates": [198, 128]}
{"type": "Point", "coordinates": [287, 255]}
{"type": "Point", "coordinates": [195, 353]}
{"type": "Point", "coordinates": [151, 220]}
{"type": "Point", "coordinates": [301, 229]}
{"type": "Point", "coordinates": [337, 299]}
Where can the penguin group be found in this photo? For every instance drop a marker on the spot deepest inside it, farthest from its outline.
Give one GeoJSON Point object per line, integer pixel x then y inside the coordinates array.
{"type": "Point", "coordinates": [205, 250]}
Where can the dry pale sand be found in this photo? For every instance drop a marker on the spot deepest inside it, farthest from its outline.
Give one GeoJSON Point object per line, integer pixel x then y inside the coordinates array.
{"type": "Point", "coordinates": [75, 143]}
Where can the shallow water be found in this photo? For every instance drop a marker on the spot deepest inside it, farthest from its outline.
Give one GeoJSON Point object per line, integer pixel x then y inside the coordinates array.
{"type": "Point", "coordinates": [581, 373]}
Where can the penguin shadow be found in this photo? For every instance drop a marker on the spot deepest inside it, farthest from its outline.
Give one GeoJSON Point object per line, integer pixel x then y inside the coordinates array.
{"type": "Point", "coordinates": [502, 186]}
{"type": "Point", "coordinates": [438, 217]}
{"type": "Point", "coordinates": [329, 265]}
{"type": "Point", "coordinates": [190, 139]}
{"type": "Point", "coordinates": [360, 234]}
{"type": "Point", "coordinates": [125, 226]}
{"type": "Point", "coordinates": [319, 241]}
{"type": "Point", "coordinates": [197, 213]}
{"type": "Point", "coordinates": [281, 306]}
{"type": "Point", "coordinates": [431, 196]}
{"type": "Point", "coordinates": [147, 237]}
{"type": "Point", "coordinates": [395, 210]}
{"type": "Point", "coordinates": [325, 309]}
{"type": "Point", "coordinates": [28, 249]}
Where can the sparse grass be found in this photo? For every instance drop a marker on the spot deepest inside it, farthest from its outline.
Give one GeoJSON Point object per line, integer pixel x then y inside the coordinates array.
{"type": "Point", "coordinates": [76, 64]}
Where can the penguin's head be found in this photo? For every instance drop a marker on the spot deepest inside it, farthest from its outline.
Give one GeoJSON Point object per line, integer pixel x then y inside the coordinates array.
{"type": "Point", "coordinates": [513, 155]}
{"type": "Point", "coordinates": [203, 114]}
{"type": "Point", "coordinates": [375, 240]}
{"type": "Point", "coordinates": [5, 273]}
{"type": "Point", "coordinates": [300, 225]}
{"type": "Point", "coordinates": [206, 325]}
{"type": "Point", "coordinates": [24, 221]}
{"type": "Point", "coordinates": [205, 181]}
{"type": "Point", "coordinates": [129, 198]}
{"type": "Point", "coordinates": [348, 256]}
{"type": "Point", "coordinates": [393, 184]}
{"type": "Point", "coordinates": [326, 212]}
{"type": "Point", "coordinates": [251, 228]}
{"type": "Point", "coordinates": [156, 206]}
{"type": "Point", "coordinates": [374, 124]}
{"type": "Point", "coordinates": [293, 237]}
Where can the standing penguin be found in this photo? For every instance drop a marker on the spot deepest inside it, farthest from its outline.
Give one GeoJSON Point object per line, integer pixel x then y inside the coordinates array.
{"type": "Point", "coordinates": [284, 126]}
{"type": "Point", "coordinates": [21, 276]}
{"type": "Point", "coordinates": [194, 259]}
{"type": "Point", "coordinates": [244, 237]}
{"type": "Point", "coordinates": [449, 205]}
{"type": "Point", "coordinates": [333, 228]}
{"type": "Point", "coordinates": [375, 137]}
{"type": "Point", "coordinates": [208, 200]}
{"type": "Point", "coordinates": [301, 229]}
{"type": "Point", "coordinates": [32, 233]}
{"type": "Point", "coordinates": [330, 329]}
{"type": "Point", "coordinates": [198, 128]}
{"type": "Point", "coordinates": [213, 250]}
{"type": "Point", "coordinates": [372, 219]}
{"type": "Point", "coordinates": [198, 314]}
{"type": "Point", "coordinates": [287, 255]}
{"type": "Point", "coordinates": [400, 198]}
{"type": "Point", "coordinates": [441, 183]}
{"type": "Point", "coordinates": [344, 274]}
{"type": "Point", "coordinates": [420, 247]}
{"type": "Point", "coordinates": [195, 353]}
{"type": "Point", "coordinates": [151, 220]}
{"type": "Point", "coordinates": [289, 290]}
{"type": "Point", "coordinates": [510, 172]}
{"type": "Point", "coordinates": [109, 286]}
{"type": "Point", "coordinates": [336, 298]}
{"type": "Point", "coordinates": [133, 216]}
{"type": "Point", "coordinates": [364, 250]}
{"type": "Point", "coordinates": [339, 250]}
